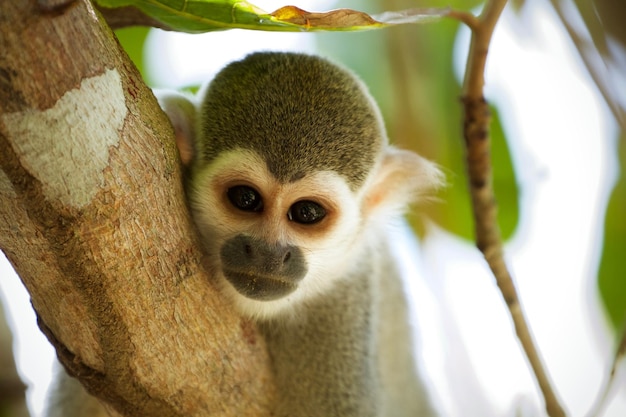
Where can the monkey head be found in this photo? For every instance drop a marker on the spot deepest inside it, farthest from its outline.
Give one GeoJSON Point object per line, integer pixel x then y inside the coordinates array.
{"type": "Point", "coordinates": [288, 169]}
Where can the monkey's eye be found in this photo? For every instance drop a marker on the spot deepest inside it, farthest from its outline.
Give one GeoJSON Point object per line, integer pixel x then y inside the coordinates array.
{"type": "Point", "coordinates": [306, 212]}
{"type": "Point", "coordinates": [245, 198]}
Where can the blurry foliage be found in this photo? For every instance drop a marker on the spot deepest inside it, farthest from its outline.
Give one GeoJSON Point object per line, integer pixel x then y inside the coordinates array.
{"type": "Point", "coordinates": [132, 40]}
{"type": "Point", "coordinates": [609, 16]}
{"type": "Point", "coordinates": [409, 72]}
{"type": "Point", "coordinates": [604, 25]}
{"type": "Point", "coordinates": [612, 272]}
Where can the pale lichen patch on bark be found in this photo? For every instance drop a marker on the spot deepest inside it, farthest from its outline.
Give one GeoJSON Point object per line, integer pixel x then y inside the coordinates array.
{"type": "Point", "coordinates": [89, 119]}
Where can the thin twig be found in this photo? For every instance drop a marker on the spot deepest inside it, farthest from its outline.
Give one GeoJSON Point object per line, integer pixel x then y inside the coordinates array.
{"type": "Point", "coordinates": [585, 52]}
{"type": "Point", "coordinates": [603, 396]}
{"type": "Point", "coordinates": [488, 239]}
{"type": "Point", "coordinates": [469, 19]}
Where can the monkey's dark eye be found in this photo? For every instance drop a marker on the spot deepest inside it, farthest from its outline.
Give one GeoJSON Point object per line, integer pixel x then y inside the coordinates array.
{"type": "Point", "coordinates": [306, 212]}
{"type": "Point", "coordinates": [245, 198]}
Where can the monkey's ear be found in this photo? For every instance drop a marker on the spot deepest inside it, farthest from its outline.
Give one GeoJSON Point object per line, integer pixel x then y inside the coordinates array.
{"type": "Point", "coordinates": [181, 111]}
{"type": "Point", "coordinates": [401, 178]}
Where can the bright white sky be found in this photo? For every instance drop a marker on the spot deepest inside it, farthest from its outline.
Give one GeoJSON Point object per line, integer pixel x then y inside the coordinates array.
{"type": "Point", "coordinates": [563, 142]}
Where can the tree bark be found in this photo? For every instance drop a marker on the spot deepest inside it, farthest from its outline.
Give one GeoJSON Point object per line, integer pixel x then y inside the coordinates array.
{"type": "Point", "coordinates": [92, 217]}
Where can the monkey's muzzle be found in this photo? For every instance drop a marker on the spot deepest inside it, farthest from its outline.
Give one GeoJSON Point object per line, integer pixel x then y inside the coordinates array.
{"type": "Point", "coordinates": [260, 270]}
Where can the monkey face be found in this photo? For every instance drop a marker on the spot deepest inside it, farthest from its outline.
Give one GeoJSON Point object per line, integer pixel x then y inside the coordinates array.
{"type": "Point", "coordinates": [270, 243]}
{"type": "Point", "coordinates": [290, 173]}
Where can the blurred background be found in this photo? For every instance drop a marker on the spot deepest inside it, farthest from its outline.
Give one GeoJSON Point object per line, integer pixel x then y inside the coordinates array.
{"type": "Point", "coordinates": [556, 78]}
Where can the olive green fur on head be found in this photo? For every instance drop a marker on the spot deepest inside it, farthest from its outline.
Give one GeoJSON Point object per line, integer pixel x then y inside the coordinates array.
{"type": "Point", "coordinates": [300, 113]}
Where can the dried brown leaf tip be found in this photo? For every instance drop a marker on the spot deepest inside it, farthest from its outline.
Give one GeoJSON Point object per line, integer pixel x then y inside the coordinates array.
{"type": "Point", "coordinates": [349, 19]}
{"type": "Point", "coordinates": [334, 19]}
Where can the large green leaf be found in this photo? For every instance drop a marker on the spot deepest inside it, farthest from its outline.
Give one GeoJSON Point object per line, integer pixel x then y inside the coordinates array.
{"type": "Point", "coordinates": [195, 16]}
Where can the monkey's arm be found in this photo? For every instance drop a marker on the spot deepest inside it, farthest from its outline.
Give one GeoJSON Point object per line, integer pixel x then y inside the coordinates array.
{"type": "Point", "coordinates": [68, 398]}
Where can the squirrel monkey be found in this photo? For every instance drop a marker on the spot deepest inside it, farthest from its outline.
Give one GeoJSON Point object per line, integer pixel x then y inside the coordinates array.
{"type": "Point", "coordinates": [292, 183]}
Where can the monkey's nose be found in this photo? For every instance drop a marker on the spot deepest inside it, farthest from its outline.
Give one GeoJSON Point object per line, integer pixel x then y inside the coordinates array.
{"type": "Point", "coordinates": [256, 256]}
{"type": "Point", "coordinates": [259, 249]}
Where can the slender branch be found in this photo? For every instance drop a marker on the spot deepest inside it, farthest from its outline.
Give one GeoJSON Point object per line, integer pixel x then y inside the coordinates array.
{"type": "Point", "coordinates": [588, 55]}
{"type": "Point", "coordinates": [488, 238]}
{"type": "Point", "coordinates": [604, 397]}
{"type": "Point", "coordinates": [469, 19]}
{"type": "Point", "coordinates": [481, 37]}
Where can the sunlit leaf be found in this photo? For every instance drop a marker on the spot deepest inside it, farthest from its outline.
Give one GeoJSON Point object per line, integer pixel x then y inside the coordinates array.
{"type": "Point", "coordinates": [352, 19]}
{"type": "Point", "coordinates": [195, 16]}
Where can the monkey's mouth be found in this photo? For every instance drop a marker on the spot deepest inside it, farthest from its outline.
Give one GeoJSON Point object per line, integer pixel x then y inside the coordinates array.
{"type": "Point", "coordinates": [259, 287]}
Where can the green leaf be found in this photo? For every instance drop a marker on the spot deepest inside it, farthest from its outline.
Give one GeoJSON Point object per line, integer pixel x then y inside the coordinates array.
{"type": "Point", "coordinates": [455, 213]}
{"type": "Point", "coordinates": [504, 180]}
{"type": "Point", "coordinates": [132, 40]}
{"type": "Point", "coordinates": [195, 16]}
{"type": "Point", "coordinates": [612, 273]}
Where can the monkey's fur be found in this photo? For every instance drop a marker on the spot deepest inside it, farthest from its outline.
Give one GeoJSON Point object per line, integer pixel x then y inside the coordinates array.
{"type": "Point", "coordinates": [303, 137]}
{"type": "Point", "coordinates": [298, 112]}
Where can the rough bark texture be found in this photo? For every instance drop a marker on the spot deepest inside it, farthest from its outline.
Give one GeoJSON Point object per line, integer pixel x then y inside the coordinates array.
{"type": "Point", "coordinates": [93, 219]}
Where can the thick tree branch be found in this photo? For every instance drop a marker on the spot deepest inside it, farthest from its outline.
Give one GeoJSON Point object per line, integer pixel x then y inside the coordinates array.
{"type": "Point", "coordinates": [122, 17]}
{"type": "Point", "coordinates": [93, 220]}
{"type": "Point", "coordinates": [478, 154]}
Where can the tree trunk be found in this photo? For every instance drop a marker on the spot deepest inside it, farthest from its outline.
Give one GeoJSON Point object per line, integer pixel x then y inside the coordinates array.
{"type": "Point", "coordinates": [92, 217]}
